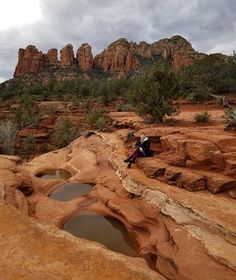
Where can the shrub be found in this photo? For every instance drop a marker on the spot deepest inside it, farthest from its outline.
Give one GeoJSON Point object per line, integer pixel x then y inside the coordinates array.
{"type": "Point", "coordinates": [202, 117]}
{"type": "Point", "coordinates": [129, 136]}
{"type": "Point", "coordinates": [28, 148]}
{"type": "Point", "coordinates": [212, 74]}
{"type": "Point", "coordinates": [26, 113]}
{"type": "Point", "coordinates": [230, 119]}
{"type": "Point", "coordinates": [200, 93]}
{"type": "Point", "coordinates": [153, 93]}
{"type": "Point", "coordinates": [101, 124]}
{"type": "Point", "coordinates": [50, 109]}
{"type": "Point", "coordinates": [8, 133]}
{"type": "Point", "coordinates": [124, 107]}
{"type": "Point", "coordinates": [65, 132]}
{"type": "Point", "coordinates": [96, 118]}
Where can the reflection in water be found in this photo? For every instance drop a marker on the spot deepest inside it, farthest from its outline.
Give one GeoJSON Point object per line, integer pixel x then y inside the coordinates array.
{"type": "Point", "coordinates": [69, 191]}
{"type": "Point", "coordinates": [108, 231]}
{"type": "Point", "coordinates": [54, 174]}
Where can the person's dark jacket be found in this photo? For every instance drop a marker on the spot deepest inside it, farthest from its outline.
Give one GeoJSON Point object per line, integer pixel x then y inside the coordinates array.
{"type": "Point", "coordinates": [145, 145]}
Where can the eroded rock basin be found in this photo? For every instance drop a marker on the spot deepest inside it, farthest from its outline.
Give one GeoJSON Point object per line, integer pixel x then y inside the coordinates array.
{"type": "Point", "coordinates": [54, 174]}
{"type": "Point", "coordinates": [181, 234]}
{"type": "Point", "coordinates": [107, 231]}
{"type": "Point", "coordinates": [70, 191]}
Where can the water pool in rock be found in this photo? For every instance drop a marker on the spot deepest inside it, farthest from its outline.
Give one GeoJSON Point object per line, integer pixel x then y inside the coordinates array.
{"type": "Point", "coordinates": [69, 191]}
{"type": "Point", "coordinates": [54, 174]}
{"type": "Point", "coordinates": [107, 231]}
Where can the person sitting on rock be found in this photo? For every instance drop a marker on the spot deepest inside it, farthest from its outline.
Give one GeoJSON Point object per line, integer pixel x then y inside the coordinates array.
{"type": "Point", "coordinates": [142, 149]}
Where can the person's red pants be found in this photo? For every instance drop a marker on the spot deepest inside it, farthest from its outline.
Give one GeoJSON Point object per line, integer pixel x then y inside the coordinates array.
{"type": "Point", "coordinates": [135, 154]}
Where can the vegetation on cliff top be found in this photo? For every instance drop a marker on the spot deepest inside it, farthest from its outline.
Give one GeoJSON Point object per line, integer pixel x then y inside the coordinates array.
{"type": "Point", "coordinates": [213, 74]}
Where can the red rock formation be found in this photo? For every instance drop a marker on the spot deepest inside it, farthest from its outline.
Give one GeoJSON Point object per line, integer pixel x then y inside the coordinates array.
{"type": "Point", "coordinates": [67, 56]}
{"type": "Point", "coordinates": [52, 56]}
{"type": "Point", "coordinates": [30, 60]}
{"type": "Point", "coordinates": [181, 59]}
{"type": "Point", "coordinates": [84, 57]}
{"type": "Point", "coordinates": [117, 57]}
{"type": "Point", "coordinates": [122, 56]}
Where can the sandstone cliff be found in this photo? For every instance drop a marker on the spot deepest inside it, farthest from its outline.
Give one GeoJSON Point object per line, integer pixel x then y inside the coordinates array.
{"type": "Point", "coordinates": [84, 57]}
{"type": "Point", "coordinates": [52, 56]}
{"type": "Point", "coordinates": [67, 56]}
{"type": "Point", "coordinates": [30, 60]}
{"type": "Point", "coordinates": [119, 58]}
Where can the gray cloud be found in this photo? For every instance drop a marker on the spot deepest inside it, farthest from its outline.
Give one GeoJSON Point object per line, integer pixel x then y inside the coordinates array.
{"type": "Point", "coordinates": [209, 25]}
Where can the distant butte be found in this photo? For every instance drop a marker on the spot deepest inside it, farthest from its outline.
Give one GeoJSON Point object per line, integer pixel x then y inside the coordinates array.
{"type": "Point", "coordinates": [119, 57]}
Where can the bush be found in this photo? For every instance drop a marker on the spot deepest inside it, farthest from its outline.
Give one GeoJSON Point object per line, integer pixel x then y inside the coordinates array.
{"type": "Point", "coordinates": [26, 113]}
{"type": "Point", "coordinates": [124, 107]}
{"type": "Point", "coordinates": [50, 109]}
{"type": "Point", "coordinates": [200, 93]}
{"type": "Point", "coordinates": [212, 74]}
{"type": "Point", "coordinates": [8, 131]}
{"type": "Point", "coordinates": [97, 120]}
{"type": "Point", "coordinates": [28, 147]}
{"type": "Point", "coordinates": [153, 93]}
{"type": "Point", "coordinates": [202, 117]}
{"type": "Point", "coordinates": [230, 119]}
{"type": "Point", "coordinates": [129, 136]}
{"type": "Point", "coordinates": [65, 132]}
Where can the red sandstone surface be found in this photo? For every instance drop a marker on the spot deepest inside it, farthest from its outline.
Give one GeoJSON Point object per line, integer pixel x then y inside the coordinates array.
{"type": "Point", "coordinates": [180, 204]}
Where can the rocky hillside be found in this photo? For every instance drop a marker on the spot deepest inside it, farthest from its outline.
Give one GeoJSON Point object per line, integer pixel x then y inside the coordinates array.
{"type": "Point", "coordinates": [120, 58]}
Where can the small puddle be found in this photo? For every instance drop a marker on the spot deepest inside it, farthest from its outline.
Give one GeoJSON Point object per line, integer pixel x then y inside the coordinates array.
{"type": "Point", "coordinates": [54, 174]}
{"type": "Point", "coordinates": [108, 231]}
{"type": "Point", "coordinates": [69, 191]}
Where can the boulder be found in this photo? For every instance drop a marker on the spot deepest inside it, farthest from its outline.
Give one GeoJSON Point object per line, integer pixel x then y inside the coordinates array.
{"type": "Point", "coordinates": [191, 181]}
{"type": "Point", "coordinates": [152, 167]}
{"type": "Point", "coordinates": [170, 142]}
{"type": "Point", "coordinates": [218, 183]}
{"type": "Point", "coordinates": [230, 167]}
{"type": "Point", "coordinates": [205, 152]}
{"type": "Point", "coordinates": [225, 143]}
{"type": "Point", "coordinates": [172, 174]}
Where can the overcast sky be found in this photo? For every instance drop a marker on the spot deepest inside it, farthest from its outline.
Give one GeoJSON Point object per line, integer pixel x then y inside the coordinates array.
{"type": "Point", "coordinates": [210, 25]}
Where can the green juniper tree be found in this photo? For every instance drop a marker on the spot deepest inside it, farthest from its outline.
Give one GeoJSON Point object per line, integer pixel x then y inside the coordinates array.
{"type": "Point", "coordinates": [153, 93]}
{"type": "Point", "coordinates": [8, 131]}
{"type": "Point", "coordinates": [65, 132]}
{"type": "Point", "coordinates": [28, 147]}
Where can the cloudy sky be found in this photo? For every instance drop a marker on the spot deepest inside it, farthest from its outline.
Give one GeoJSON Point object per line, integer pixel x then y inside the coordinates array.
{"type": "Point", "coordinates": [210, 25]}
